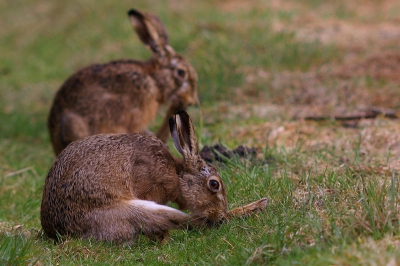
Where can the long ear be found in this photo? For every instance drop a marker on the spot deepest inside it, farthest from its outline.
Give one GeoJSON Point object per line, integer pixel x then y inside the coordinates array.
{"type": "Point", "coordinates": [183, 135]}
{"type": "Point", "coordinates": [150, 30]}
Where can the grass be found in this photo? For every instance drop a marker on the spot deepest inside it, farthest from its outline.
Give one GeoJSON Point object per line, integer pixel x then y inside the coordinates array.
{"type": "Point", "coordinates": [333, 188]}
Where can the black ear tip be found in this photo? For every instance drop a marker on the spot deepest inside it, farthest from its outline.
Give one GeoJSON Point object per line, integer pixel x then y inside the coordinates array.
{"type": "Point", "coordinates": [183, 115]}
{"type": "Point", "coordinates": [180, 112]}
{"type": "Point", "coordinates": [133, 12]}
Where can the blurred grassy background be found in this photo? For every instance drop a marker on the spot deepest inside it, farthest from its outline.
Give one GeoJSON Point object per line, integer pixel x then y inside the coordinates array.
{"type": "Point", "coordinates": [333, 188]}
{"type": "Point", "coordinates": [45, 42]}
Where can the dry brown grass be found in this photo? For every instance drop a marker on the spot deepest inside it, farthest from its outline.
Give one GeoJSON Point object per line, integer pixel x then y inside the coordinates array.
{"type": "Point", "coordinates": [366, 74]}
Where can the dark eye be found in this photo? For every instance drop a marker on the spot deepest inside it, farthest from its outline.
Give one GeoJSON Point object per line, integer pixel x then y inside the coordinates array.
{"type": "Point", "coordinates": [181, 73]}
{"type": "Point", "coordinates": [214, 184]}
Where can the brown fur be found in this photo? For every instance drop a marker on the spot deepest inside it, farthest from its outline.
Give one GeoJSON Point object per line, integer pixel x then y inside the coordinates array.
{"type": "Point", "coordinates": [90, 187]}
{"type": "Point", "coordinates": [124, 96]}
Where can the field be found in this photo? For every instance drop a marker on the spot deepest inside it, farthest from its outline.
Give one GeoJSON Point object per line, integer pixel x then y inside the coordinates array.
{"type": "Point", "coordinates": [263, 66]}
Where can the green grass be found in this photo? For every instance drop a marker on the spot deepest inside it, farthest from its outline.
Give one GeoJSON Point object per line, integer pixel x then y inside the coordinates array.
{"type": "Point", "coordinates": [329, 202]}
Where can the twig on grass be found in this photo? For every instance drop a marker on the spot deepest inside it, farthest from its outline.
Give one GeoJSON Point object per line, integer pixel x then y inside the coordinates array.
{"type": "Point", "coordinates": [371, 112]}
{"type": "Point", "coordinates": [30, 168]}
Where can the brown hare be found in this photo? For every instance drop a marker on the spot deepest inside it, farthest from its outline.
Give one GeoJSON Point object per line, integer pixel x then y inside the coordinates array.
{"type": "Point", "coordinates": [124, 96]}
{"type": "Point", "coordinates": [113, 187]}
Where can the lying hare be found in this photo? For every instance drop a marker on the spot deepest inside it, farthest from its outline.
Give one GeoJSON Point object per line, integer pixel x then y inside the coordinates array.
{"type": "Point", "coordinates": [113, 187]}
{"type": "Point", "coordinates": [124, 96]}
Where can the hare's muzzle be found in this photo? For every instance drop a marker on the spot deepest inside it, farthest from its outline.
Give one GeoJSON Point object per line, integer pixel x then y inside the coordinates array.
{"type": "Point", "coordinates": [208, 220]}
{"type": "Point", "coordinates": [210, 224]}
{"type": "Point", "coordinates": [186, 100]}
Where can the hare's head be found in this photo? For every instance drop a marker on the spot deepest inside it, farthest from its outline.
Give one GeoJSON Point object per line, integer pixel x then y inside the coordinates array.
{"type": "Point", "coordinates": [171, 70]}
{"type": "Point", "coordinates": [201, 185]}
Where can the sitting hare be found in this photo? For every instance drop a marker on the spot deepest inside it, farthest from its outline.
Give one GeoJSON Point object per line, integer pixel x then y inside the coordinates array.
{"type": "Point", "coordinates": [114, 187]}
{"type": "Point", "coordinates": [124, 96]}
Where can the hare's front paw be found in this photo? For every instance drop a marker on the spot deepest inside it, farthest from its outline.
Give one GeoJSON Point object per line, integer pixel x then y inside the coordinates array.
{"type": "Point", "coordinates": [249, 209]}
{"type": "Point", "coordinates": [259, 205]}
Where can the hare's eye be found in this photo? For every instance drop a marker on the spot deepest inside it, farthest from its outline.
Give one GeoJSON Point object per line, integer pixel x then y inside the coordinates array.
{"type": "Point", "coordinates": [214, 184]}
{"type": "Point", "coordinates": [181, 73]}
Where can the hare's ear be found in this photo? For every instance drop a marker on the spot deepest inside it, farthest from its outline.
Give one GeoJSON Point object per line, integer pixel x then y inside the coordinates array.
{"type": "Point", "coordinates": [150, 30]}
{"type": "Point", "coordinates": [183, 135]}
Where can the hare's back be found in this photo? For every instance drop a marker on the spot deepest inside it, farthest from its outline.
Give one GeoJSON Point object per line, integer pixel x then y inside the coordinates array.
{"type": "Point", "coordinates": [109, 165]}
{"type": "Point", "coordinates": [100, 82]}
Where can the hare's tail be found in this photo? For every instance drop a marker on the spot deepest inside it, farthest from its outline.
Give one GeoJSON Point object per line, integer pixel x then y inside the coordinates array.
{"type": "Point", "coordinates": [126, 221]}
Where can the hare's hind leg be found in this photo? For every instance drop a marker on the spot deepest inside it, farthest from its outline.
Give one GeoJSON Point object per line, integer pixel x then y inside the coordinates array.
{"type": "Point", "coordinates": [72, 127]}
{"type": "Point", "coordinates": [132, 218]}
